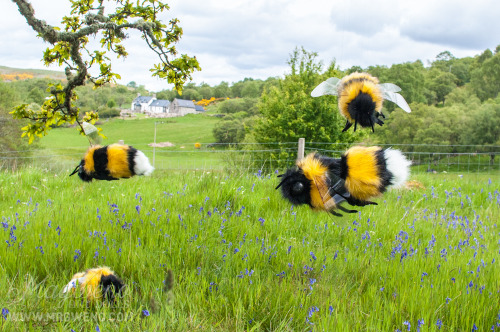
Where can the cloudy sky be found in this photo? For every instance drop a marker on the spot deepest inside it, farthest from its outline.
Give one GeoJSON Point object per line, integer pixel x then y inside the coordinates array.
{"type": "Point", "coordinates": [234, 39]}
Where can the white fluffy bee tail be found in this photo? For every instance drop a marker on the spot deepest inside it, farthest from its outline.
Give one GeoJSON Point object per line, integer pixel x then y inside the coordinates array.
{"type": "Point", "coordinates": [398, 165]}
{"type": "Point", "coordinates": [142, 165]}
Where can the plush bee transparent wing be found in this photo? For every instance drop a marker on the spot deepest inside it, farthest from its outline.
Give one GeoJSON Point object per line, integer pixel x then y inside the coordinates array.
{"type": "Point", "coordinates": [91, 131]}
{"type": "Point", "coordinates": [390, 93]}
{"type": "Point", "coordinates": [389, 87]}
{"type": "Point", "coordinates": [333, 194]}
{"type": "Point", "coordinates": [328, 87]}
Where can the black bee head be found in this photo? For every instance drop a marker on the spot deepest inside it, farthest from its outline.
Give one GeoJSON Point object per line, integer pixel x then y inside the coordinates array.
{"type": "Point", "coordinates": [295, 187]}
{"type": "Point", "coordinates": [111, 286]}
{"type": "Point", "coordinates": [362, 110]}
{"type": "Point", "coordinates": [81, 172]}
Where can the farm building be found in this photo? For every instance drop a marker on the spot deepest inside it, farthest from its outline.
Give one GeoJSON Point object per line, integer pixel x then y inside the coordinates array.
{"type": "Point", "coordinates": [182, 107]}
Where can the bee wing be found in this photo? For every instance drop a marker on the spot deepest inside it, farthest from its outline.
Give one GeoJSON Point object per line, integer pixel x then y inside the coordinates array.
{"type": "Point", "coordinates": [389, 87]}
{"type": "Point", "coordinates": [328, 87]}
{"type": "Point", "coordinates": [88, 128]}
{"type": "Point", "coordinates": [397, 99]}
{"type": "Point", "coordinates": [330, 193]}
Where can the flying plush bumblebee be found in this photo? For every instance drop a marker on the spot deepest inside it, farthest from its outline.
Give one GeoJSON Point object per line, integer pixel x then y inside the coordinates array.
{"type": "Point", "coordinates": [95, 284]}
{"type": "Point", "coordinates": [360, 98]}
{"type": "Point", "coordinates": [359, 175]}
{"type": "Point", "coordinates": [112, 162]}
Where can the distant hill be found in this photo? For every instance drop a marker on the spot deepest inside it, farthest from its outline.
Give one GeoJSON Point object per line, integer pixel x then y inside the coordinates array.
{"type": "Point", "coordinates": [16, 74]}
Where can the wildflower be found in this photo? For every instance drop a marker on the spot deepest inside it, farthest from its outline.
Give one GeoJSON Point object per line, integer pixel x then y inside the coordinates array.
{"type": "Point", "coordinates": [420, 322]}
{"type": "Point", "coordinates": [5, 312]}
{"type": "Point", "coordinates": [138, 209]}
{"type": "Point", "coordinates": [439, 323]}
{"type": "Point", "coordinates": [262, 221]}
{"type": "Point", "coordinates": [408, 325]}
{"type": "Point", "coordinates": [78, 254]}
{"type": "Point", "coordinates": [330, 308]}
{"type": "Point", "coordinates": [145, 313]}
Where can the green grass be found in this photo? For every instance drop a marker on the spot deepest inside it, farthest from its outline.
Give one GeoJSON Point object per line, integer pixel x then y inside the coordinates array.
{"type": "Point", "coordinates": [63, 147]}
{"type": "Point", "coordinates": [243, 259]}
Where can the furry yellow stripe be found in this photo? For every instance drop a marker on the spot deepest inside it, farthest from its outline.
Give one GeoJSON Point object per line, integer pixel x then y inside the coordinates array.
{"type": "Point", "coordinates": [363, 179]}
{"type": "Point", "coordinates": [118, 161]}
{"type": "Point", "coordinates": [89, 159]}
{"type": "Point", "coordinates": [355, 84]}
{"type": "Point", "coordinates": [316, 172]}
{"type": "Point", "coordinates": [90, 286]}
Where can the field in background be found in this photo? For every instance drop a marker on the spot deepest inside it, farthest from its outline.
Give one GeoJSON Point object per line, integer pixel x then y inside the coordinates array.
{"type": "Point", "coordinates": [62, 149]}
{"type": "Point", "coordinates": [243, 259]}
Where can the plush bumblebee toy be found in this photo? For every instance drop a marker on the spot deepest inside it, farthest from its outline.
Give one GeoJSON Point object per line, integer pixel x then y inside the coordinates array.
{"type": "Point", "coordinates": [360, 98]}
{"type": "Point", "coordinates": [361, 174]}
{"type": "Point", "coordinates": [112, 163]}
{"type": "Point", "coordinates": [96, 284]}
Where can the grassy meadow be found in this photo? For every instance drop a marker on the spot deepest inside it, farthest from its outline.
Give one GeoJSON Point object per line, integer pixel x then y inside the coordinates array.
{"type": "Point", "coordinates": [62, 148]}
{"type": "Point", "coordinates": [205, 251]}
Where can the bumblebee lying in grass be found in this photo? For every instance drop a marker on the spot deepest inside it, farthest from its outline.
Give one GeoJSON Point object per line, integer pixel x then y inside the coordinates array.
{"type": "Point", "coordinates": [359, 175]}
{"type": "Point", "coordinates": [95, 284]}
{"type": "Point", "coordinates": [112, 163]}
{"type": "Point", "coordinates": [360, 98]}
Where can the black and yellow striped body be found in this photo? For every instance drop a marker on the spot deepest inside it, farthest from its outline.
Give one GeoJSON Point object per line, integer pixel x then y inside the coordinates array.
{"type": "Point", "coordinates": [361, 174]}
{"type": "Point", "coordinates": [108, 163]}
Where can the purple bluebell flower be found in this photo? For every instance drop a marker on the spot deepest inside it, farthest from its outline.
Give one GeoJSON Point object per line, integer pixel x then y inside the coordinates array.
{"type": "Point", "coordinates": [439, 323]}
{"type": "Point", "coordinates": [145, 313]}
{"type": "Point", "coordinates": [5, 312]}
{"type": "Point", "coordinates": [78, 253]}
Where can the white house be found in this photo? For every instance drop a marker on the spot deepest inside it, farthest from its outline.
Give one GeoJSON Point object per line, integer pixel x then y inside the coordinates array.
{"type": "Point", "coordinates": [141, 103]}
{"type": "Point", "coordinates": [159, 106]}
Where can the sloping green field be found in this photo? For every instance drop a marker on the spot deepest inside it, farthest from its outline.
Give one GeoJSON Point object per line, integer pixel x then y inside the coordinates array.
{"type": "Point", "coordinates": [62, 148]}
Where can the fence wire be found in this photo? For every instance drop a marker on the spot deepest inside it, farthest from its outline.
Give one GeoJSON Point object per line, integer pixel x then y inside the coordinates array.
{"type": "Point", "coordinates": [254, 157]}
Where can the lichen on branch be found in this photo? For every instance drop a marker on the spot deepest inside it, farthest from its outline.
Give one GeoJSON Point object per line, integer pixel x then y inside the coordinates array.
{"type": "Point", "coordinates": [69, 48]}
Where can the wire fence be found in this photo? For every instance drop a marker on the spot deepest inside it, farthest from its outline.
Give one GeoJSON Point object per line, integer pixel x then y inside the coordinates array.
{"type": "Point", "coordinates": [264, 157]}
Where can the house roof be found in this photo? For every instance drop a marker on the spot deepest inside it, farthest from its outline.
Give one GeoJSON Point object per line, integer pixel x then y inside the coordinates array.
{"type": "Point", "coordinates": [185, 103]}
{"type": "Point", "coordinates": [160, 103]}
{"type": "Point", "coordinates": [142, 99]}
{"type": "Point", "coordinates": [199, 108]}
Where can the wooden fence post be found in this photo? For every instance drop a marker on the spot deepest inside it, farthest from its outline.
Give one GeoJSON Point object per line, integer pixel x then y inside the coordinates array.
{"type": "Point", "coordinates": [300, 152]}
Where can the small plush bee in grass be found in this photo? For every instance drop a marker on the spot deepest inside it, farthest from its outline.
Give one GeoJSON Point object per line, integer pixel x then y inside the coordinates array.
{"type": "Point", "coordinates": [360, 98]}
{"type": "Point", "coordinates": [112, 163]}
{"type": "Point", "coordinates": [361, 174]}
{"type": "Point", "coordinates": [96, 284]}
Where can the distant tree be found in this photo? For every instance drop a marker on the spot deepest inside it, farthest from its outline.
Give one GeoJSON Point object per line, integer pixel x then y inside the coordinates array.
{"type": "Point", "coordinates": [484, 125]}
{"type": "Point", "coordinates": [111, 103]}
{"type": "Point", "coordinates": [191, 94]}
{"type": "Point", "coordinates": [443, 84]}
{"type": "Point", "coordinates": [222, 90]}
{"type": "Point", "coordinates": [251, 90]}
{"type": "Point", "coordinates": [206, 91]}
{"type": "Point", "coordinates": [289, 112]}
{"type": "Point", "coordinates": [229, 131]}
{"type": "Point", "coordinates": [132, 84]}
{"type": "Point", "coordinates": [36, 96]}
{"type": "Point", "coordinates": [10, 134]}
{"type": "Point", "coordinates": [485, 78]}
{"type": "Point", "coordinates": [70, 47]}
